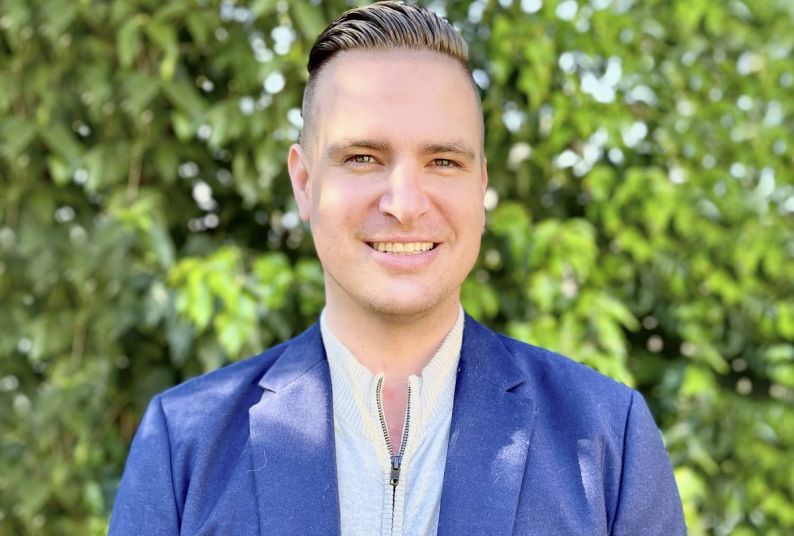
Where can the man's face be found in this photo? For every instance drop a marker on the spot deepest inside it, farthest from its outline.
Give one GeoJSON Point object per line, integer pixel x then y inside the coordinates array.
{"type": "Point", "coordinates": [391, 180]}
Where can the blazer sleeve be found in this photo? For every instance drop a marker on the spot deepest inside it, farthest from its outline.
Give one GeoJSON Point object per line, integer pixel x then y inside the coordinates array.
{"type": "Point", "coordinates": [146, 503]}
{"type": "Point", "coordinates": [648, 501]}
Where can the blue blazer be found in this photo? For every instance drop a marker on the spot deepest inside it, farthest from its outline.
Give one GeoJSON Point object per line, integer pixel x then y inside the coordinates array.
{"type": "Point", "coordinates": [539, 445]}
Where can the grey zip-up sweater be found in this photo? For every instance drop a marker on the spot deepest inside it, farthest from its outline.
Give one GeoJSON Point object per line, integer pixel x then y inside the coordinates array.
{"type": "Point", "coordinates": [368, 502]}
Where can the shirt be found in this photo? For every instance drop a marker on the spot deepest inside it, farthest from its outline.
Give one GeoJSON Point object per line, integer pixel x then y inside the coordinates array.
{"type": "Point", "coordinates": [368, 503]}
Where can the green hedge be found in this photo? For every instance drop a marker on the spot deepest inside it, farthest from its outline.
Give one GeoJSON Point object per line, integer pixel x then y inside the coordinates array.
{"type": "Point", "coordinates": [639, 220]}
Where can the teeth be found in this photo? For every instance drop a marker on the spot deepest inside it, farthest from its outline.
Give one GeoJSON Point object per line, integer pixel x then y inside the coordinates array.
{"type": "Point", "coordinates": [402, 248]}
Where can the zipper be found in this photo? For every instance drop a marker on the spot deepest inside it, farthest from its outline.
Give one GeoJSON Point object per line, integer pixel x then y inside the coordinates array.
{"type": "Point", "coordinates": [396, 461]}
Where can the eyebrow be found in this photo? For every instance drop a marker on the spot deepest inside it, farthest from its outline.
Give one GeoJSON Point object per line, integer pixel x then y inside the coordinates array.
{"type": "Point", "coordinates": [337, 149]}
{"type": "Point", "coordinates": [458, 148]}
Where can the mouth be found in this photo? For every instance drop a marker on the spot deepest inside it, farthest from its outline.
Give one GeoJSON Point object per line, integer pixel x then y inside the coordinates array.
{"type": "Point", "coordinates": [403, 248]}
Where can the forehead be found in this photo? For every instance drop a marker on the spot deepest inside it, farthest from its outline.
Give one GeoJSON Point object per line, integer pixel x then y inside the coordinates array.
{"type": "Point", "coordinates": [397, 95]}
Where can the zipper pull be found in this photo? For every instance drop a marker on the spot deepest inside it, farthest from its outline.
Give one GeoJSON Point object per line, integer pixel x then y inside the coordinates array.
{"type": "Point", "coordinates": [395, 470]}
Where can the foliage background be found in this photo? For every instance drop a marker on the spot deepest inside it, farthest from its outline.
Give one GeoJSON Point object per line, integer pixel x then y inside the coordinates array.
{"type": "Point", "coordinates": [639, 220]}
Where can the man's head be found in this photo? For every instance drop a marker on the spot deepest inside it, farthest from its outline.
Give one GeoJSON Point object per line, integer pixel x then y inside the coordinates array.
{"type": "Point", "coordinates": [382, 26]}
{"type": "Point", "coordinates": [390, 173]}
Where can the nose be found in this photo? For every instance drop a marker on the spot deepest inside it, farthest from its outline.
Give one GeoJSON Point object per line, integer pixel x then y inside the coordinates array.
{"type": "Point", "coordinates": [405, 198]}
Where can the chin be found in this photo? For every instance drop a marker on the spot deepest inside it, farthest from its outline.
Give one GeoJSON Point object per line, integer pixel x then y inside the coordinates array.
{"type": "Point", "coordinates": [407, 307]}
{"type": "Point", "coordinates": [406, 300]}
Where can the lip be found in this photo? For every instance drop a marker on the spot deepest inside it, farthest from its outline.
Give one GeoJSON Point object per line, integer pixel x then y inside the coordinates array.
{"type": "Point", "coordinates": [403, 263]}
{"type": "Point", "coordinates": [401, 239]}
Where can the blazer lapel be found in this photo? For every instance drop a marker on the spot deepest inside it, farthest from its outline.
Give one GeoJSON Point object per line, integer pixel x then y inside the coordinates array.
{"type": "Point", "coordinates": [488, 441]}
{"type": "Point", "coordinates": [292, 442]}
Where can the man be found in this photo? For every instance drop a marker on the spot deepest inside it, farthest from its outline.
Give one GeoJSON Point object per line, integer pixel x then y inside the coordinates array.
{"type": "Point", "coordinates": [396, 414]}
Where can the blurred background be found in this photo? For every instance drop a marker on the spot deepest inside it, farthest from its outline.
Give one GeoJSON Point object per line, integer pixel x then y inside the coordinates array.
{"type": "Point", "coordinates": [640, 220]}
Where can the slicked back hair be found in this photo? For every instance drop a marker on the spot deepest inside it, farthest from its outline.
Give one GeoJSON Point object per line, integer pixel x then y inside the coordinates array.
{"type": "Point", "coordinates": [383, 26]}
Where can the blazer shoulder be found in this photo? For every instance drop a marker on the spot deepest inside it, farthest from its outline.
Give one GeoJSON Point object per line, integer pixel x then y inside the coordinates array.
{"type": "Point", "coordinates": [227, 379]}
{"type": "Point", "coordinates": [536, 360]}
{"type": "Point", "coordinates": [220, 394]}
{"type": "Point", "coordinates": [588, 403]}
{"type": "Point", "coordinates": [558, 381]}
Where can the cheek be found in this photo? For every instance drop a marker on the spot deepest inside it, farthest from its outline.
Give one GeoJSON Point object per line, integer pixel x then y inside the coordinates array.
{"type": "Point", "coordinates": [339, 208]}
{"type": "Point", "coordinates": [328, 197]}
{"type": "Point", "coordinates": [466, 210]}
{"type": "Point", "coordinates": [334, 194]}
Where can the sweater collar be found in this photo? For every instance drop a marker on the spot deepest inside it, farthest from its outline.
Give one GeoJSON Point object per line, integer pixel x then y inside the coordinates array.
{"type": "Point", "coordinates": [353, 385]}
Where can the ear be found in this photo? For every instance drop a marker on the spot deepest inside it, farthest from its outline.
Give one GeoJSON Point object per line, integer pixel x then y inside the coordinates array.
{"type": "Point", "coordinates": [484, 172]}
{"type": "Point", "coordinates": [298, 167]}
{"type": "Point", "coordinates": [484, 187]}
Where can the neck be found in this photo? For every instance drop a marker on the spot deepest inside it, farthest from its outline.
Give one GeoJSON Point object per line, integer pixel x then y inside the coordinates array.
{"type": "Point", "coordinates": [396, 345]}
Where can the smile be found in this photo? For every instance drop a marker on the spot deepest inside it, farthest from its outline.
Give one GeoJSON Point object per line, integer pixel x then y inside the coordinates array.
{"type": "Point", "coordinates": [402, 248]}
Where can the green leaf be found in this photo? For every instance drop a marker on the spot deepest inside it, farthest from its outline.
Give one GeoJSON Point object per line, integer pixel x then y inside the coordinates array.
{"type": "Point", "coordinates": [200, 26]}
{"type": "Point", "coordinates": [266, 7]}
{"type": "Point", "coordinates": [61, 141]}
{"type": "Point", "coordinates": [180, 337]}
{"type": "Point", "coordinates": [128, 42]}
{"type": "Point", "coordinates": [162, 34]}
{"type": "Point", "coordinates": [17, 134]}
{"type": "Point", "coordinates": [200, 304]}
{"type": "Point", "coordinates": [232, 333]}
{"type": "Point", "coordinates": [183, 95]}
{"type": "Point", "coordinates": [308, 17]}
{"type": "Point", "coordinates": [785, 319]}
{"type": "Point", "coordinates": [139, 89]}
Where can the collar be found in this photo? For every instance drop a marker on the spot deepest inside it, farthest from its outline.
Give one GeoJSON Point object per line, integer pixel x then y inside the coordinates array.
{"type": "Point", "coordinates": [353, 385]}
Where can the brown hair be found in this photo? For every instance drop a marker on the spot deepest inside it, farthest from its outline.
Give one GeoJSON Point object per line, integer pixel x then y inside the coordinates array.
{"type": "Point", "coordinates": [384, 25]}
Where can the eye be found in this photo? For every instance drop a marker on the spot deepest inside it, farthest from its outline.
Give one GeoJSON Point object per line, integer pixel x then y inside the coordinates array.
{"type": "Point", "coordinates": [362, 159]}
{"type": "Point", "coordinates": [444, 163]}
